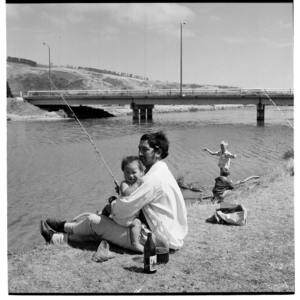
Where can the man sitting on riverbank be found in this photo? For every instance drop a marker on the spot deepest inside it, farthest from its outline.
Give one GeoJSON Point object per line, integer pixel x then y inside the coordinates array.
{"type": "Point", "coordinates": [159, 197]}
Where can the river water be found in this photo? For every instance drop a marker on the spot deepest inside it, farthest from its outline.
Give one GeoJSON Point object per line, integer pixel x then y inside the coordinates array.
{"type": "Point", "coordinates": [54, 171]}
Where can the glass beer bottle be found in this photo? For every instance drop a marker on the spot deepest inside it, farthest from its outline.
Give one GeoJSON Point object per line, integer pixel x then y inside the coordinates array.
{"type": "Point", "coordinates": [162, 243]}
{"type": "Point", "coordinates": [150, 255]}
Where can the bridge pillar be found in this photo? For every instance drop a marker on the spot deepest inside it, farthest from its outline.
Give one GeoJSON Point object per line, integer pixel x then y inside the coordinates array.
{"type": "Point", "coordinates": [149, 113]}
{"type": "Point", "coordinates": [135, 113]}
{"type": "Point", "coordinates": [143, 114]}
{"type": "Point", "coordinates": [139, 111]}
{"type": "Point", "coordinates": [260, 108]}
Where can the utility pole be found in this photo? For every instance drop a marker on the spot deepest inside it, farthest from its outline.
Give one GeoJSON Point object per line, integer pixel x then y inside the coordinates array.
{"type": "Point", "coordinates": [49, 66]}
{"type": "Point", "coordinates": [181, 57]}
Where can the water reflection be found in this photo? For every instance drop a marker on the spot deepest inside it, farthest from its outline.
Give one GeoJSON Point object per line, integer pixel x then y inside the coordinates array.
{"type": "Point", "coordinates": [260, 123]}
{"type": "Point", "coordinates": [142, 121]}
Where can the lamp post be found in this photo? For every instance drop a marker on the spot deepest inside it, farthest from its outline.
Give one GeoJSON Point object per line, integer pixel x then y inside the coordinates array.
{"type": "Point", "coordinates": [181, 56]}
{"type": "Point", "coordinates": [49, 65]}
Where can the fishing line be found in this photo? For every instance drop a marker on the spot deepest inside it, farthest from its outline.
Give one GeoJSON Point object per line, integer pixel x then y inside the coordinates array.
{"type": "Point", "coordinates": [273, 103]}
{"type": "Point", "coordinates": [75, 117]}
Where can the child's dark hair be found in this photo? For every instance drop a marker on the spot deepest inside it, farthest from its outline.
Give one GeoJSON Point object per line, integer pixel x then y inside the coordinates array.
{"type": "Point", "coordinates": [225, 173]}
{"type": "Point", "coordinates": [129, 159]}
{"type": "Point", "coordinates": [157, 140]}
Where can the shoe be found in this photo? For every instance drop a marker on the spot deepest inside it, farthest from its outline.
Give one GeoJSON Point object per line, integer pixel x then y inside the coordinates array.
{"type": "Point", "coordinates": [103, 253]}
{"type": "Point", "coordinates": [56, 225]}
{"type": "Point", "coordinates": [46, 232]}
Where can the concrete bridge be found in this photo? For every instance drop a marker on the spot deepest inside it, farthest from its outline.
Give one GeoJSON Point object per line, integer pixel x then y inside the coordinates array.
{"type": "Point", "coordinates": [142, 101]}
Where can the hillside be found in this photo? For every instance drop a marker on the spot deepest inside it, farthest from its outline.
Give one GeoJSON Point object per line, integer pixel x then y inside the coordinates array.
{"type": "Point", "coordinates": [23, 78]}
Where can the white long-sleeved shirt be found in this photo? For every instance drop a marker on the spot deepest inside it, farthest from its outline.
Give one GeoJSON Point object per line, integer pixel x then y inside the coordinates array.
{"type": "Point", "coordinates": [159, 197]}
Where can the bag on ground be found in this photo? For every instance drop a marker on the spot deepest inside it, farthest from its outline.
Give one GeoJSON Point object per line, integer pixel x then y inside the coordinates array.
{"type": "Point", "coordinates": [229, 214]}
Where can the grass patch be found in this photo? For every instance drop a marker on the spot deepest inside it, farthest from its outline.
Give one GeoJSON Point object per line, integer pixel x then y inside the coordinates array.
{"type": "Point", "coordinates": [256, 258]}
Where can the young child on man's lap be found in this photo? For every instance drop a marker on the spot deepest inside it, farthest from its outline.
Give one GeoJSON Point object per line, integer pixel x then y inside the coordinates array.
{"type": "Point", "coordinates": [133, 170]}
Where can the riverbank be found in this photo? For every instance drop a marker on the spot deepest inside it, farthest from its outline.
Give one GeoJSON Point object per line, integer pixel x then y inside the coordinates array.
{"type": "Point", "coordinates": [256, 258]}
{"type": "Point", "coordinates": [18, 110]}
{"type": "Point", "coordinates": [126, 110]}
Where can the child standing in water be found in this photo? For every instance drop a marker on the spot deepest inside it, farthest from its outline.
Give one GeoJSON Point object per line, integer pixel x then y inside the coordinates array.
{"type": "Point", "coordinates": [225, 156]}
{"type": "Point", "coordinates": [133, 170]}
{"type": "Point", "coordinates": [222, 187]}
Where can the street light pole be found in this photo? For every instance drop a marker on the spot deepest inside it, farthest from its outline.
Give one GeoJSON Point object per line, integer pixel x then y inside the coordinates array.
{"type": "Point", "coordinates": [49, 66]}
{"type": "Point", "coordinates": [181, 56]}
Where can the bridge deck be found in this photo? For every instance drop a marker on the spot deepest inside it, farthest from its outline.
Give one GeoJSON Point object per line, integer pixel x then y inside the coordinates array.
{"type": "Point", "coordinates": [142, 102]}
{"type": "Point", "coordinates": [162, 97]}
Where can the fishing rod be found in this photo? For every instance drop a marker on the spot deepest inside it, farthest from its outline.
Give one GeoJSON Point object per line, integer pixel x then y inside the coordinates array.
{"type": "Point", "coordinates": [75, 117]}
{"type": "Point", "coordinates": [273, 103]}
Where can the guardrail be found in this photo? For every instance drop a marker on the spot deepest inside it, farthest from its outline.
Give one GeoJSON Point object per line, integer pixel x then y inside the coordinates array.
{"type": "Point", "coordinates": [159, 92]}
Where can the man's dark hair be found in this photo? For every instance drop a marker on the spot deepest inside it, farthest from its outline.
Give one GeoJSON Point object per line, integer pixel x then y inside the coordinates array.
{"type": "Point", "coordinates": [157, 140]}
{"type": "Point", "coordinates": [129, 159]}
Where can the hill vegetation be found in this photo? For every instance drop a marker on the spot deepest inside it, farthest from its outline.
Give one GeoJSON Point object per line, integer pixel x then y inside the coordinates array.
{"type": "Point", "coordinates": [23, 78]}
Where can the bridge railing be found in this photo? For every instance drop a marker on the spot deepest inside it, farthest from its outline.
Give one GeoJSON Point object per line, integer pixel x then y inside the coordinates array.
{"type": "Point", "coordinates": [159, 92]}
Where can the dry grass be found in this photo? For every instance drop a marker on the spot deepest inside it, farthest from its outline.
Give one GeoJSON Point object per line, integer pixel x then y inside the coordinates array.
{"type": "Point", "coordinates": [25, 78]}
{"type": "Point", "coordinates": [256, 258]}
{"type": "Point", "coordinates": [22, 77]}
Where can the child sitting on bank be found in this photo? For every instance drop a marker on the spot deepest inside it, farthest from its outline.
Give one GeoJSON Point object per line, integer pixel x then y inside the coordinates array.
{"type": "Point", "coordinates": [225, 156]}
{"type": "Point", "coordinates": [133, 170]}
{"type": "Point", "coordinates": [222, 187]}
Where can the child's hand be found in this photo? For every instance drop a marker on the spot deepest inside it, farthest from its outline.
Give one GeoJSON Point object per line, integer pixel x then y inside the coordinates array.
{"type": "Point", "coordinates": [139, 182]}
{"type": "Point", "coordinates": [234, 155]}
{"type": "Point", "coordinates": [205, 149]}
{"type": "Point", "coordinates": [117, 188]}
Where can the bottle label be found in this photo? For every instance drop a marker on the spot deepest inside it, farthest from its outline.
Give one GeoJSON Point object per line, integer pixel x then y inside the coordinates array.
{"type": "Point", "coordinates": [153, 262]}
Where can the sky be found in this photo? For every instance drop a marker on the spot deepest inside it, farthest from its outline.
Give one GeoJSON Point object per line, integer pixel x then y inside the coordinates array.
{"type": "Point", "coordinates": [247, 45]}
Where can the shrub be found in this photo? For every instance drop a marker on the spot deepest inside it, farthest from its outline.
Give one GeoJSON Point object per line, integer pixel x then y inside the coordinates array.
{"type": "Point", "coordinates": [8, 91]}
{"type": "Point", "coordinates": [290, 167]}
{"type": "Point", "coordinates": [288, 154]}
